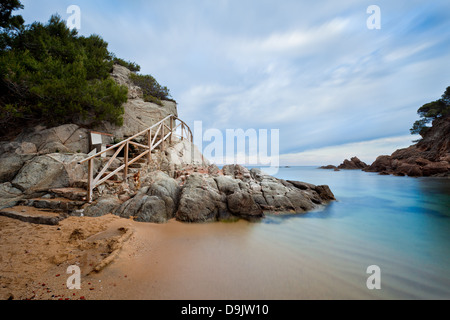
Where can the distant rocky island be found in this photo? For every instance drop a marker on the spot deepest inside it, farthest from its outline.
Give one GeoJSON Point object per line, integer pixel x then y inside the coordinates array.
{"type": "Point", "coordinates": [352, 164]}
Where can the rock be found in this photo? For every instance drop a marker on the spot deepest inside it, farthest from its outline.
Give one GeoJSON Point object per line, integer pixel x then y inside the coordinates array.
{"type": "Point", "coordinates": [50, 171]}
{"type": "Point", "coordinates": [352, 164]}
{"type": "Point", "coordinates": [436, 168]}
{"type": "Point", "coordinates": [41, 174]}
{"type": "Point", "coordinates": [157, 202]}
{"type": "Point", "coordinates": [69, 138]}
{"type": "Point", "coordinates": [329, 167]}
{"type": "Point", "coordinates": [245, 194]}
{"type": "Point", "coordinates": [102, 206]}
{"type": "Point", "coordinates": [213, 170]}
{"type": "Point", "coordinates": [429, 157]}
{"type": "Point", "coordinates": [201, 200]}
{"type": "Point", "coordinates": [181, 155]}
{"type": "Point", "coordinates": [9, 196]}
{"type": "Point", "coordinates": [139, 115]}
{"type": "Point", "coordinates": [325, 193]}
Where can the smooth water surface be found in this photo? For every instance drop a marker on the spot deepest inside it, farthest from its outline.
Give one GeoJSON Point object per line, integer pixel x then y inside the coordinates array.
{"type": "Point", "coordinates": [400, 224]}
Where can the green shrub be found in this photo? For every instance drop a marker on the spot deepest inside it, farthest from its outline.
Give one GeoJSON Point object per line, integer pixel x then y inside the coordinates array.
{"type": "Point", "coordinates": [152, 90]}
{"type": "Point", "coordinates": [430, 112]}
{"type": "Point", "coordinates": [134, 67]}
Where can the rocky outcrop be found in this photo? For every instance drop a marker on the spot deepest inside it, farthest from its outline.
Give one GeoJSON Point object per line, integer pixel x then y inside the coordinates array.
{"type": "Point", "coordinates": [157, 202]}
{"type": "Point", "coordinates": [429, 157]}
{"type": "Point", "coordinates": [245, 194]}
{"type": "Point", "coordinates": [139, 115]}
{"type": "Point", "coordinates": [329, 167]}
{"type": "Point", "coordinates": [353, 164]}
{"type": "Point", "coordinates": [232, 193]}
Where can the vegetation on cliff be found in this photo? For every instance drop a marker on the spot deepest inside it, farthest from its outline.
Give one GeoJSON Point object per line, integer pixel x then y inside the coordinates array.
{"type": "Point", "coordinates": [51, 75]}
{"type": "Point", "coordinates": [430, 112]}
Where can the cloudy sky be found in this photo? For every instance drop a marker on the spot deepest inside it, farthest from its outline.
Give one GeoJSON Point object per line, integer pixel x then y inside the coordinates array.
{"type": "Point", "coordinates": [311, 69]}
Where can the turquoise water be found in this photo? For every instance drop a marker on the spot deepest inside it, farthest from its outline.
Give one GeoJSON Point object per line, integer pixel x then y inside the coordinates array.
{"type": "Point", "coordinates": [400, 224]}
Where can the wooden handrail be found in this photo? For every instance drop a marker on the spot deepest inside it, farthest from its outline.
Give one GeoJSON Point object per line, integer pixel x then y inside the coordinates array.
{"type": "Point", "coordinates": [160, 136]}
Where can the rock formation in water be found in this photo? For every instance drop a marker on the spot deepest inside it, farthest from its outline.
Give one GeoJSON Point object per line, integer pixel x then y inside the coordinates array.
{"type": "Point", "coordinates": [429, 157]}
{"type": "Point", "coordinates": [352, 164]}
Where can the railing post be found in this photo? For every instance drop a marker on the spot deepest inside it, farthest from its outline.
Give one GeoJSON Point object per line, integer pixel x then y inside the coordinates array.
{"type": "Point", "coordinates": [90, 187]}
{"type": "Point", "coordinates": [182, 131]}
{"type": "Point", "coordinates": [171, 129]}
{"type": "Point", "coordinates": [149, 156]}
{"type": "Point", "coordinates": [125, 170]}
{"type": "Point", "coordinates": [162, 138]}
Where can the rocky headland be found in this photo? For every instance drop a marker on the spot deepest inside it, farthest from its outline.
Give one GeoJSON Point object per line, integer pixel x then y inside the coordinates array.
{"type": "Point", "coordinates": [429, 157]}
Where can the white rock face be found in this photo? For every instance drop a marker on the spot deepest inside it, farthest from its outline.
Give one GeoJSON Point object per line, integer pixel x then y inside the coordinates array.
{"type": "Point", "coordinates": [139, 115]}
{"type": "Point", "coordinates": [186, 153]}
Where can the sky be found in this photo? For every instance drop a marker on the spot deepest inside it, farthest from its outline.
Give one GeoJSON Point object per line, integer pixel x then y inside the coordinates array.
{"type": "Point", "coordinates": [311, 69]}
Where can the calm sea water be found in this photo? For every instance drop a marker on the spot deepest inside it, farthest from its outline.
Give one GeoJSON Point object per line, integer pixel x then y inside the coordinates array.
{"type": "Point", "coordinates": [400, 224]}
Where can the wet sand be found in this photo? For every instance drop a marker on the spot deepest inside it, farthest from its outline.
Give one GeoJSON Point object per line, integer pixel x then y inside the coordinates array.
{"type": "Point", "coordinates": [173, 261]}
{"type": "Point", "coordinates": [217, 261]}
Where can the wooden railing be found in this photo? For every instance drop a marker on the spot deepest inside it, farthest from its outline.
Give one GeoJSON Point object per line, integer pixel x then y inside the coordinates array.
{"type": "Point", "coordinates": [157, 135]}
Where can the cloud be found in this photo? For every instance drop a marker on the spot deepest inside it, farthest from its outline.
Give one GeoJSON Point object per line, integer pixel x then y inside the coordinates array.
{"type": "Point", "coordinates": [311, 69]}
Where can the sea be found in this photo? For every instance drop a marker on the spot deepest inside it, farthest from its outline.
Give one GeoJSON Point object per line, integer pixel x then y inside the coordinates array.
{"type": "Point", "coordinates": [400, 225]}
{"type": "Point", "coordinates": [385, 237]}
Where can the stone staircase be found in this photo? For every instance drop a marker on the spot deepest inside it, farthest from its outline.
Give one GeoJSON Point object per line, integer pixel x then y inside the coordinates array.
{"type": "Point", "coordinates": [51, 208]}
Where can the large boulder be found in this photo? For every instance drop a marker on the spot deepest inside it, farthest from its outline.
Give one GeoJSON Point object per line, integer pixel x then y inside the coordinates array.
{"type": "Point", "coordinates": [13, 156]}
{"type": "Point", "coordinates": [50, 171]}
{"type": "Point", "coordinates": [201, 200]}
{"type": "Point", "coordinates": [157, 202]}
{"type": "Point", "coordinates": [102, 206]}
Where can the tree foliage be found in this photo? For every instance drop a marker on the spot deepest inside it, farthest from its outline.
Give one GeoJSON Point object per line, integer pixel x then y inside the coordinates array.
{"type": "Point", "coordinates": [152, 90]}
{"type": "Point", "coordinates": [134, 67]}
{"type": "Point", "coordinates": [430, 112]}
{"type": "Point", "coordinates": [9, 24]}
{"type": "Point", "coordinates": [52, 74]}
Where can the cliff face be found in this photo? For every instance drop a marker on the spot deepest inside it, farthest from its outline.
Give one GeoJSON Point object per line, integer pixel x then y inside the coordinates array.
{"type": "Point", "coordinates": [139, 114]}
{"type": "Point", "coordinates": [429, 157]}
